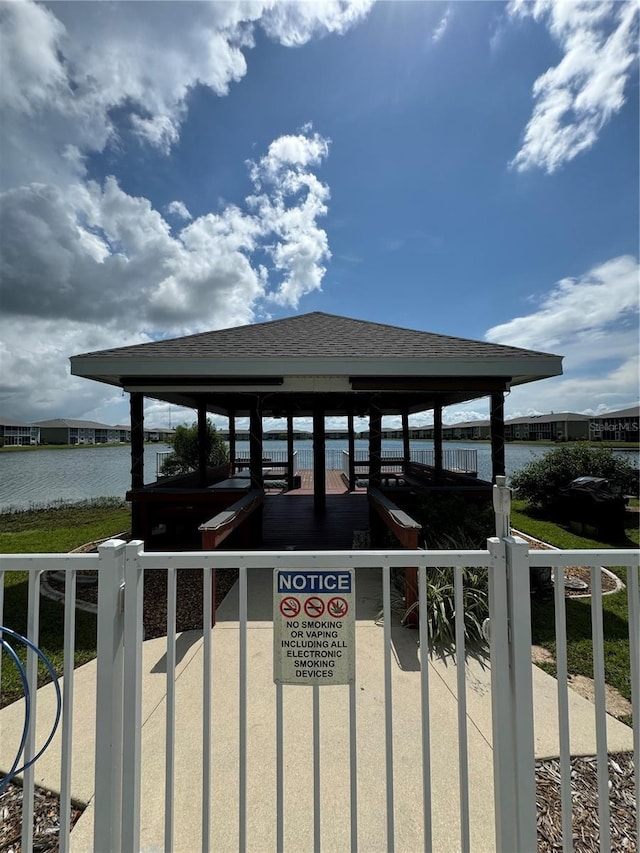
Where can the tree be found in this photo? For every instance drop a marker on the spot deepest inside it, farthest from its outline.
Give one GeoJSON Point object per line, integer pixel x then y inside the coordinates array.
{"type": "Point", "coordinates": [540, 482]}
{"type": "Point", "coordinates": [185, 455]}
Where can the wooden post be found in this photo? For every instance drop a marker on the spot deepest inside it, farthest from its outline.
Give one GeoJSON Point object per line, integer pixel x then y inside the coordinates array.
{"type": "Point", "coordinates": [352, 452]}
{"type": "Point", "coordinates": [136, 409]}
{"type": "Point", "coordinates": [232, 440]}
{"type": "Point", "coordinates": [203, 454]}
{"type": "Point", "coordinates": [319, 462]}
{"type": "Point", "coordinates": [406, 446]}
{"type": "Point", "coordinates": [497, 435]}
{"type": "Point", "coordinates": [375, 444]}
{"type": "Point", "coordinates": [437, 442]}
{"type": "Point", "coordinates": [290, 463]}
{"type": "Point", "coordinates": [255, 445]}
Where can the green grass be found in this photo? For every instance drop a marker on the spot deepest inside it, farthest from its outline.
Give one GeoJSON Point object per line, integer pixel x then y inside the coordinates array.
{"type": "Point", "coordinates": [614, 607]}
{"type": "Point", "coordinates": [54, 529]}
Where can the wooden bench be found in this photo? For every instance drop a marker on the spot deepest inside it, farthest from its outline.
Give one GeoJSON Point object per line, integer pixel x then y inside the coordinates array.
{"type": "Point", "coordinates": [216, 530]}
{"type": "Point", "coordinates": [407, 532]}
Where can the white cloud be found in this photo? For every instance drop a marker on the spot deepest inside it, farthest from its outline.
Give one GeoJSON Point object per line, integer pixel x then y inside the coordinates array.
{"type": "Point", "coordinates": [294, 24]}
{"type": "Point", "coordinates": [93, 257]}
{"type": "Point", "coordinates": [68, 68]}
{"type": "Point", "coordinates": [592, 320]}
{"type": "Point", "coordinates": [179, 209]}
{"type": "Point", "coordinates": [443, 23]}
{"type": "Point", "coordinates": [297, 199]}
{"type": "Point", "coordinates": [577, 309]}
{"type": "Point", "coordinates": [577, 97]}
{"type": "Point", "coordinates": [86, 265]}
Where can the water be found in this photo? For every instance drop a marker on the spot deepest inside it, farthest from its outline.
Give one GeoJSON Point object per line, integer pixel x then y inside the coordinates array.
{"type": "Point", "coordinates": [44, 476]}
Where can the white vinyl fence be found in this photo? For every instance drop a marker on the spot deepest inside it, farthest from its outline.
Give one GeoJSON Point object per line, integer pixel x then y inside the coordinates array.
{"type": "Point", "coordinates": [118, 756]}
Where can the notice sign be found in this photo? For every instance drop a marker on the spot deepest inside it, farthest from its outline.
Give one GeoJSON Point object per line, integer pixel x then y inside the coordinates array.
{"type": "Point", "coordinates": [314, 626]}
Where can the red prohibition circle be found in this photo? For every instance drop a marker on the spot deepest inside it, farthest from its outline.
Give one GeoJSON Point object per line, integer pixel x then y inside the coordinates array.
{"type": "Point", "coordinates": [289, 607]}
{"type": "Point", "coordinates": [314, 607]}
{"type": "Point", "coordinates": [338, 607]}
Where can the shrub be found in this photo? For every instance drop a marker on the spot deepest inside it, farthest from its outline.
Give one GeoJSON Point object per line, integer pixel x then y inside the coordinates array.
{"type": "Point", "coordinates": [184, 443]}
{"type": "Point", "coordinates": [541, 481]}
{"type": "Point", "coordinates": [455, 524]}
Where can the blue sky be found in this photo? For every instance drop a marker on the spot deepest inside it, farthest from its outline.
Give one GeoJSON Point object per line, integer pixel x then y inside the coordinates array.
{"type": "Point", "coordinates": [464, 168]}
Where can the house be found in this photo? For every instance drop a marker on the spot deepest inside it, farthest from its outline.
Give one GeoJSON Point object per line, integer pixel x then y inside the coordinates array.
{"type": "Point", "coordinates": [556, 426]}
{"type": "Point", "coordinates": [616, 426]}
{"type": "Point", "coordinates": [17, 433]}
{"type": "Point", "coordinates": [67, 431]}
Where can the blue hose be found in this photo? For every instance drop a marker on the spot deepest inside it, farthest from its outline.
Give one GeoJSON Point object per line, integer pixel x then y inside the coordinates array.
{"type": "Point", "coordinates": [15, 768]}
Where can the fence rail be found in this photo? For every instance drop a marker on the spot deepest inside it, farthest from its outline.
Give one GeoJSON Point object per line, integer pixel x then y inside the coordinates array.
{"type": "Point", "coordinates": [118, 763]}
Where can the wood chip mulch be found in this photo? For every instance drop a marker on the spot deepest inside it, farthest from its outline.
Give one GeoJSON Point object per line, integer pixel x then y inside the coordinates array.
{"type": "Point", "coordinates": [46, 820]}
{"type": "Point", "coordinates": [586, 828]}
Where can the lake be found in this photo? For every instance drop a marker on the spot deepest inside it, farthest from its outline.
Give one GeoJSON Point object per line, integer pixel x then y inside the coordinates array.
{"type": "Point", "coordinates": [43, 476]}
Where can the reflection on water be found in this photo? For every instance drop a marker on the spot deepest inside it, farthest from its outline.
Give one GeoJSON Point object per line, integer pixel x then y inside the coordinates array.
{"type": "Point", "coordinates": [43, 476]}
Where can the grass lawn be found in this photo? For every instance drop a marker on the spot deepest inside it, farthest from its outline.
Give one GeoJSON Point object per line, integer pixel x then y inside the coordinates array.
{"type": "Point", "coordinates": [52, 530]}
{"type": "Point", "coordinates": [615, 621]}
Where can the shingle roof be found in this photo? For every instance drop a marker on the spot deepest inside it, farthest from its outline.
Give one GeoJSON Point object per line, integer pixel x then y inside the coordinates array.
{"type": "Point", "coordinates": [633, 412]}
{"type": "Point", "coordinates": [550, 418]}
{"type": "Point", "coordinates": [315, 335]}
{"type": "Point", "coordinates": [67, 422]}
{"type": "Point", "coordinates": [6, 422]}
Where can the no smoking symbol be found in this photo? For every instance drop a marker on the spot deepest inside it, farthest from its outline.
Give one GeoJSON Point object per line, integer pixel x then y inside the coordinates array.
{"type": "Point", "coordinates": [337, 607]}
{"type": "Point", "coordinates": [289, 607]}
{"type": "Point", "coordinates": [314, 607]}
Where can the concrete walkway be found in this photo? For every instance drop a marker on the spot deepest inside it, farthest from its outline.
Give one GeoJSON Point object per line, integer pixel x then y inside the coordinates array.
{"type": "Point", "coordinates": [298, 769]}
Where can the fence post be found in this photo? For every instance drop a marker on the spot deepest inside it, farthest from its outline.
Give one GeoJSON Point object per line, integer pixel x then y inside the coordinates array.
{"type": "Point", "coordinates": [501, 701]}
{"type": "Point", "coordinates": [109, 693]}
{"type": "Point", "coordinates": [519, 606]}
{"type": "Point", "coordinates": [132, 696]}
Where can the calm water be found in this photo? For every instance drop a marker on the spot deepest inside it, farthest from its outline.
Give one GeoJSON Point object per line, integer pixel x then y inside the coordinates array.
{"type": "Point", "coordinates": [47, 475]}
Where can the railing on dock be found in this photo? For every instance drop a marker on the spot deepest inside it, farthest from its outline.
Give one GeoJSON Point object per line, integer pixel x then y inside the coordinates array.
{"type": "Point", "coordinates": [459, 460]}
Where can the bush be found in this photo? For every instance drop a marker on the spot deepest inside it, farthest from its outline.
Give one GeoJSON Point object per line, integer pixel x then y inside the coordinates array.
{"type": "Point", "coordinates": [184, 457]}
{"type": "Point", "coordinates": [455, 524]}
{"type": "Point", "coordinates": [540, 482]}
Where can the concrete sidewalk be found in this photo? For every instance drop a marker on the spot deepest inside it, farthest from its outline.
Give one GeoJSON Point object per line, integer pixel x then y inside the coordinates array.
{"type": "Point", "coordinates": [298, 769]}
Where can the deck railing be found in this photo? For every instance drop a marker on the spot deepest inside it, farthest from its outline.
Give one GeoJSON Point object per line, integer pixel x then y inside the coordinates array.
{"type": "Point", "coordinates": [120, 567]}
{"type": "Point", "coordinates": [461, 460]}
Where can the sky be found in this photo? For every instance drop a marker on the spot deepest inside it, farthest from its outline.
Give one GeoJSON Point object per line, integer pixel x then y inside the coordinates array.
{"type": "Point", "coordinates": [464, 168]}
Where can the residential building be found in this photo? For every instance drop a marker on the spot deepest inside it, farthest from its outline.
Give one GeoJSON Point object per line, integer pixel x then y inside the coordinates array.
{"type": "Point", "coordinates": [17, 433]}
{"type": "Point", "coordinates": [616, 426]}
{"type": "Point", "coordinates": [556, 426]}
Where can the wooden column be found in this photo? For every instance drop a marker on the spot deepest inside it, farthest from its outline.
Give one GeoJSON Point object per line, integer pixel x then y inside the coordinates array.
{"type": "Point", "coordinates": [497, 435]}
{"type": "Point", "coordinates": [406, 446]}
{"type": "Point", "coordinates": [290, 463]}
{"type": "Point", "coordinates": [203, 444]}
{"type": "Point", "coordinates": [255, 444]}
{"type": "Point", "coordinates": [136, 409]}
{"type": "Point", "coordinates": [232, 440]}
{"type": "Point", "coordinates": [351, 438]}
{"type": "Point", "coordinates": [319, 462]}
{"type": "Point", "coordinates": [437, 442]}
{"type": "Point", "coordinates": [375, 444]}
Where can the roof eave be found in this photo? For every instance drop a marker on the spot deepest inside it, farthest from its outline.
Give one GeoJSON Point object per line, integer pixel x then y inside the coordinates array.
{"type": "Point", "coordinates": [522, 368]}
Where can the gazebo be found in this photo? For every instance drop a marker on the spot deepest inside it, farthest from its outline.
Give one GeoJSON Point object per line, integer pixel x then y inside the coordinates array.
{"type": "Point", "coordinates": [313, 365]}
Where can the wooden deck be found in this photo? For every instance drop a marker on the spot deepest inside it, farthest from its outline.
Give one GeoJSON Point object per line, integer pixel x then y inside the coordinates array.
{"type": "Point", "coordinates": [335, 485]}
{"type": "Point", "coordinates": [293, 523]}
{"type": "Point", "coordinates": [289, 519]}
